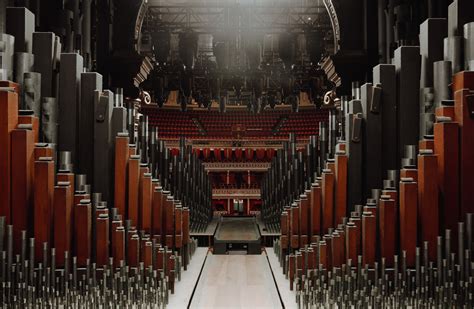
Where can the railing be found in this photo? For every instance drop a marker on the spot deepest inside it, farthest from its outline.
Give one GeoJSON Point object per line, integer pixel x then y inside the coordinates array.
{"type": "Point", "coordinates": [236, 166]}
{"type": "Point", "coordinates": [236, 193]}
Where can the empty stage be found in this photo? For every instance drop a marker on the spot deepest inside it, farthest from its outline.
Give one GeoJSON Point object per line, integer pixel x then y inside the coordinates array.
{"type": "Point", "coordinates": [236, 281]}
{"type": "Point", "coordinates": [237, 233]}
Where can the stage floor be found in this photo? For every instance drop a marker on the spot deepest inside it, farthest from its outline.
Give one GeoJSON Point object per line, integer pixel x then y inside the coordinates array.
{"type": "Point", "coordinates": [236, 281]}
{"type": "Point", "coordinates": [242, 229]}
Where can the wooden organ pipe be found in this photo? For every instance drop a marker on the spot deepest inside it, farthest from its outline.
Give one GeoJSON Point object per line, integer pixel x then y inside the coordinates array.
{"type": "Point", "coordinates": [22, 162]}
{"type": "Point", "coordinates": [428, 195]}
{"type": "Point", "coordinates": [315, 211]}
{"type": "Point", "coordinates": [120, 171]}
{"type": "Point", "coordinates": [63, 208]}
{"type": "Point", "coordinates": [341, 187]}
{"type": "Point", "coordinates": [102, 240]}
{"type": "Point", "coordinates": [55, 222]}
{"type": "Point", "coordinates": [133, 187]}
{"type": "Point", "coordinates": [368, 238]}
{"type": "Point", "coordinates": [408, 218]}
{"type": "Point", "coordinates": [446, 148]}
{"type": "Point", "coordinates": [327, 200]}
{"type": "Point", "coordinates": [43, 205]}
{"type": "Point", "coordinates": [82, 223]}
{"type": "Point", "coordinates": [387, 226]}
{"type": "Point", "coordinates": [30, 119]}
{"type": "Point", "coordinates": [8, 123]}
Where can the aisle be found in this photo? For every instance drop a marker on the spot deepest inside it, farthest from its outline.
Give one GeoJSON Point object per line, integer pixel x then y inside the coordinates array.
{"type": "Point", "coordinates": [236, 281]}
{"type": "Point", "coordinates": [184, 288]}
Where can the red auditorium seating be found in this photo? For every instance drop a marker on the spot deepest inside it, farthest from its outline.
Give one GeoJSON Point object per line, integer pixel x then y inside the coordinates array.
{"type": "Point", "coordinates": [173, 124]}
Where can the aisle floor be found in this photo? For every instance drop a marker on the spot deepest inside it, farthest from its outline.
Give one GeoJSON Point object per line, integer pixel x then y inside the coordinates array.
{"type": "Point", "coordinates": [236, 281]}
{"type": "Point", "coordinates": [233, 281]}
{"type": "Point", "coordinates": [184, 288]}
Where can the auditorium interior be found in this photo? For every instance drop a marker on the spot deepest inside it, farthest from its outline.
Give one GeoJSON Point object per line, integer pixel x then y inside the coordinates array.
{"type": "Point", "coordinates": [237, 154]}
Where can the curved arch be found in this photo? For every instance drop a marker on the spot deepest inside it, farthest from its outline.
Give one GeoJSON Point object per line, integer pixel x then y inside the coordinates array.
{"type": "Point", "coordinates": [334, 23]}
{"type": "Point", "coordinates": [138, 24]}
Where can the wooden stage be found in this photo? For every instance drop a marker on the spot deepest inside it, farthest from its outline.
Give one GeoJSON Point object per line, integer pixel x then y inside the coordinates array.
{"type": "Point", "coordinates": [237, 233]}
{"type": "Point", "coordinates": [233, 281]}
{"type": "Point", "coordinates": [236, 281]}
{"type": "Point", "coordinates": [234, 278]}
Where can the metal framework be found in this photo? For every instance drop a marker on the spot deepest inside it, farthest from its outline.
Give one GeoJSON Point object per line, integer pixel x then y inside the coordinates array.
{"type": "Point", "coordinates": [264, 17]}
{"type": "Point", "coordinates": [239, 52]}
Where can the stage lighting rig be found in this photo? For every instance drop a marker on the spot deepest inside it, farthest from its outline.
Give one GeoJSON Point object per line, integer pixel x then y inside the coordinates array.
{"type": "Point", "coordinates": [253, 54]}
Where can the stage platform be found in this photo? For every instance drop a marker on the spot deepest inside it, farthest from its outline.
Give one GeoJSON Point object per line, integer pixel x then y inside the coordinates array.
{"type": "Point", "coordinates": [237, 233]}
{"type": "Point", "coordinates": [236, 281]}
{"type": "Point", "coordinates": [205, 237]}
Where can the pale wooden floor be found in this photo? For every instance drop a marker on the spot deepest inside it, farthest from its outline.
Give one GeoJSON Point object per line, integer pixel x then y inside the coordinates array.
{"type": "Point", "coordinates": [236, 281]}
{"type": "Point", "coordinates": [184, 288]}
{"type": "Point", "coordinates": [288, 296]}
